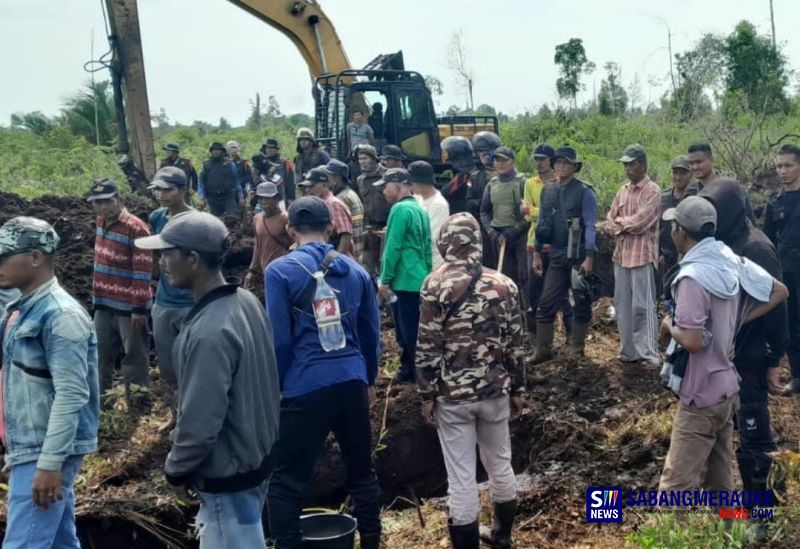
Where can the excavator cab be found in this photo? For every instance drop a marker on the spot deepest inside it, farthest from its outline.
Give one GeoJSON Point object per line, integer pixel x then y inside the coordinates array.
{"type": "Point", "coordinates": [395, 103]}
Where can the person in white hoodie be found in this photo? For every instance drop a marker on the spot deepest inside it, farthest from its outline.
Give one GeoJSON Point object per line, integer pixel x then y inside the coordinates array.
{"type": "Point", "coordinates": [432, 201]}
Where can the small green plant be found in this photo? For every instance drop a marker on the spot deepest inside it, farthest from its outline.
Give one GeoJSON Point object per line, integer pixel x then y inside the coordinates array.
{"type": "Point", "coordinates": [667, 530]}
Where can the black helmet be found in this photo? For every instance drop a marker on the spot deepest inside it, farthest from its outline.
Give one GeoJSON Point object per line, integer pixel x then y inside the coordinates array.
{"type": "Point", "coordinates": [485, 141]}
{"type": "Point", "coordinates": [591, 285]}
{"type": "Point", "coordinates": [457, 150]}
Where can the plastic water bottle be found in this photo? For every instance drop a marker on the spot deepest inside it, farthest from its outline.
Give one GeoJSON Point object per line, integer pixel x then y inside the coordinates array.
{"type": "Point", "coordinates": [328, 315]}
{"type": "Point", "coordinates": [391, 297]}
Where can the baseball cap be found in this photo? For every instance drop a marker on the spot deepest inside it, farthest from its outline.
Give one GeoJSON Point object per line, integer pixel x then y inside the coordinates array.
{"type": "Point", "coordinates": [692, 213]}
{"type": "Point", "coordinates": [309, 210]}
{"type": "Point", "coordinates": [337, 167]}
{"type": "Point", "coordinates": [633, 152]}
{"type": "Point", "coordinates": [392, 151]}
{"type": "Point", "coordinates": [172, 147]}
{"type": "Point", "coordinates": [272, 143]}
{"type": "Point", "coordinates": [168, 177]}
{"type": "Point", "coordinates": [682, 162]}
{"type": "Point", "coordinates": [395, 175]}
{"type": "Point", "coordinates": [232, 144]}
{"type": "Point", "coordinates": [102, 189]}
{"type": "Point", "coordinates": [421, 172]}
{"type": "Point", "coordinates": [314, 176]}
{"type": "Point", "coordinates": [504, 152]}
{"type": "Point", "coordinates": [23, 234]}
{"type": "Point", "coordinates": [197, 231]}
{"type": "Point", "coordinates": [216, 145]}
{"type": "Point", "coordinates": [544, 151]}
{"type": "Point", "coordinates": [267, 190]}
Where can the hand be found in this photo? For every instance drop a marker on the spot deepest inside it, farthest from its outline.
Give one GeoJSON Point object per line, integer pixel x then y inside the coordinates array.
{"type": "Point", "coordinates": [517, 404]}
{"type": "Point", "coordinates": [537, 264]}
{"type": "Point", "coordinates": [138, 322]}
{"type": "Point", "coordinates": [524, 209]}
{"type": "Point", "coordinates": [587, 265]}
{"type": "Point", "coordinates": [666, 326]}
{"type": "Point", "coordinates": [428, 415]}
{"type": "Point", "coordinates": [181, 493]}
{"type": "Point", "coordinates": [501, 239]}
{"type": "Point", "coordinates": [547, 248]}
{"type": "Point", "coordinates": [774, 381]}
{"type": "Point", "coordinates": [248, 281]}
{"type": "Point", "coordinates": [202, 204]}
{"type": "Point", "coordinates": [383, 289]}
{"type": "Point", "coordinates": [46, 487]}
{"type": "Point", "coordinates": [241, 202]}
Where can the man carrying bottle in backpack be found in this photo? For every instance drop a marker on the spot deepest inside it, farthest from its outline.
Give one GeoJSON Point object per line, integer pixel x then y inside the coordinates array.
{"type": "Point", "coordinates": [322, 391]}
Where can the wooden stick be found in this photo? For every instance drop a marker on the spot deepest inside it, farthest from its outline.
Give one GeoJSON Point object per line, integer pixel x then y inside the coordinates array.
{"type": "Point", "coordinates": [502, 257]}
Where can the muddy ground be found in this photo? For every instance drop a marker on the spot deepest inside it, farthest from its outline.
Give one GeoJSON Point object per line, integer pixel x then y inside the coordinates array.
{"type": "Point", "coordinates": [593, 422]}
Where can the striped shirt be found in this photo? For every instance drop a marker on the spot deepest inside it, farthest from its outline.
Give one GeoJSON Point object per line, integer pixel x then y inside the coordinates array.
{"type": "Point", "coordinates": [122, 272]}
{"type": "Point", "coordinates": [634, 221]}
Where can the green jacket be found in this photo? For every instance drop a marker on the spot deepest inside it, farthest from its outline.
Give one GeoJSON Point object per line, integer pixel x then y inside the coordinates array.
{"type": "Point", "coordinates": [407, 251]}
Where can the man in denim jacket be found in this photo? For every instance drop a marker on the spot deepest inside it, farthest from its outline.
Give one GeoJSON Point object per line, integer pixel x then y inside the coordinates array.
{"type": "Point", "coordinates": [49, 402]}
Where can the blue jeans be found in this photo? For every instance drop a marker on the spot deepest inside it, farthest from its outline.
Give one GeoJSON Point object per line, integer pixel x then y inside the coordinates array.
{"type": "Point", "coordinates": [231, 519]}
{"type": "Point", "coordinates": [30, 526]}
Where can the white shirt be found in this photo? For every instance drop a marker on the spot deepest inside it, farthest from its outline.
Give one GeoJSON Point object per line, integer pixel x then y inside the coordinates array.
{"type": "Point", "coordinates": [438, 211]}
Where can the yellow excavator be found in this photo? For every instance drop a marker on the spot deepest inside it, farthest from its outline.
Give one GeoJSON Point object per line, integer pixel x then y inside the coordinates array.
{"type": "Point", "coordinates": [396, 102]}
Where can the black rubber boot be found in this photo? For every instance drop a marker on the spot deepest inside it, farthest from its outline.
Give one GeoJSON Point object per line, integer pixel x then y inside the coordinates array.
{"type": "Point", "coordinates": [370, 541]}
{"type": "Point", "coordinates": [544, 342]}
{"type": "Point", "coordinates": [465, 537]}
{"type": "Point", "coordinates": [578, 340]}
{"type": "Point", "coordinates": [503, 521]}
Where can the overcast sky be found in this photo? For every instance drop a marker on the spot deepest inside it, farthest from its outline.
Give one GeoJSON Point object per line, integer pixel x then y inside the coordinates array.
{"type": "Point", "coordinates": [207, 58]}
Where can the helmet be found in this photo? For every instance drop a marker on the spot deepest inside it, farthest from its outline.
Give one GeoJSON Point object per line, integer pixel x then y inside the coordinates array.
{"type": "Point", "coordinates": [591, 285]}
{"type": "Point", "coordinates": [485, 141]}
{"type": "Point", "coordinates": [305, 133]}
{"type": "Point", "coordinates": [457, 151]}
{"type": "Point", "coordinates": [367, 149]}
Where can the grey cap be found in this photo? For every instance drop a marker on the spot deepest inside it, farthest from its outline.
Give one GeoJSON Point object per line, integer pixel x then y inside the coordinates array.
{"type": "Point", "coordinates": [633, 152]}
{"type": "Point", "coordinates": [168, 177]}
{"type": "Point", "coordinates": [25, 234]}
{"type": "Point", "coordinates": [682, 162]}
{"type": "Point", "coordinates": [692, 213]}
{"type": "Point", "coordinates": [395, 175]}
{"type": "Point", "coordinates": [197, 231]}
{"type": "Point", "coordinates": [267, 190]}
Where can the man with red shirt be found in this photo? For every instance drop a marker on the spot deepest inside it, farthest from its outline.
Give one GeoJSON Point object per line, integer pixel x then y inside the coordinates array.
{"type": "Point", "coordinates": [633, 220]}
{"type": "Point", "coordinates": [318, 183]}
{"type": "Point", "coordinates": [121, 292]}
{"type": "Point", "coordinates": [269, 225]}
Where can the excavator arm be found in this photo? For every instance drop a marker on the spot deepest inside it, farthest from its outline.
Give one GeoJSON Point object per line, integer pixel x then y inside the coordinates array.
{"type": "Point", "coordinates": [309, 29]}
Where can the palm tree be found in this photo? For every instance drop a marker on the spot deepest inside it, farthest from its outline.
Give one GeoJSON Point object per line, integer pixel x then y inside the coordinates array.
{"type": "Point", "coordinates": [78, 113]}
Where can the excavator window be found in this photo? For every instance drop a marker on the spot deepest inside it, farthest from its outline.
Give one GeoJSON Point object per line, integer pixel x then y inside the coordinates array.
{"type": "Point", "coordinates": [415, 122]}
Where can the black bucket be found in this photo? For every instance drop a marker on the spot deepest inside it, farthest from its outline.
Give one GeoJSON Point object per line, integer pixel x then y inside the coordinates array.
{"type": "Point", "coordinates": [328, 531]}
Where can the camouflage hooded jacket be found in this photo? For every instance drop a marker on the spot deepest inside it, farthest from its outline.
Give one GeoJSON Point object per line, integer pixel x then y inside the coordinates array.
{"type": "Point", "coordinates": [477, 353]}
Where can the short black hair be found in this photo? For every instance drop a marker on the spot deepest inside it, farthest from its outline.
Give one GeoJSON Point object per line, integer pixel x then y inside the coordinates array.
{"type": "Point", "coordinates": [212, 260]}
{"type": "Point", "coordinates": [705, 231]}
{"type": "Point", "coordinates": [790, 149]}
{"type": "Point", "coordinates": [311, 228]}
{"type": "Point", "coordinates": [704, 148]}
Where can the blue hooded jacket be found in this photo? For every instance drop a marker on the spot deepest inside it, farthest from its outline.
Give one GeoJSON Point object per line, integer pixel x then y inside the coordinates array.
{"type": "Point", "coordinates": [303, 365]}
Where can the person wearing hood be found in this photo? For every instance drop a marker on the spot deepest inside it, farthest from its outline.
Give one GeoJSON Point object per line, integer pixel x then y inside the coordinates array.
{"type": "Point", "coordinates": [309, 154]}
{"type": "Point", "coordinates": [760, 344]}
{"type": "Point", "coordinates": [633, 222]}
{"type": "Point", "coordinates": [471, 376]}
{"type": "Point", "coordinates": [322, 391]}
{"type": "Point", "coordinates": [502, 218]}
{"type": "Point", "coordinates": [715, 292]}
{"type": "Point", "coordinates": [219, 185]}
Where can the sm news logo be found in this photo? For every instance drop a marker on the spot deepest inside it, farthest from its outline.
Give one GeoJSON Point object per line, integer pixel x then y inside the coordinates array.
{"type": "Point", "coordinates": [603, 504]}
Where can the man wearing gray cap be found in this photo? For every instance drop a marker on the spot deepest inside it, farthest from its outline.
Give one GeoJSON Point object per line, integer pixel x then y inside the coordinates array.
{"type": "Point", "coordinates": [633, 221]}
{"type": "Point", "coordinates": [681, 178]}
{"type": "Point", "coordinates": [171, 305]}
{"type": "Point", "coordinates": [269, 226]}
{"type": "Point", "coordinates": [228, 393]}
{"type": "Point", "coordinates": [50, 401]}
{"type": "Point", "coordinates": [175, 159]}
{"type": "Point", "coordinates": [714, 293]}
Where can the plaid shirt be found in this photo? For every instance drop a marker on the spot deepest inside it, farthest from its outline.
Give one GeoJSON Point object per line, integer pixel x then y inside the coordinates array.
{"type": "Point", "coordinates": [634, 220]}
{"type": "Point", "coordinates": [341, 219]}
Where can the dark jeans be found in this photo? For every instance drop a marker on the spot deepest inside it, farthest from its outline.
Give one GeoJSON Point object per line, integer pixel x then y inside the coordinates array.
{"type": "Point", "coordinates": [406, 327]}
{"type": "Point", "coordinates": [792, 281]}
{"type": "Point", "coordinates": [756, 440]}
{"type": "Point", "coordinates": [224, 205]}
{"type": "Point", "coordinates": [305, 423]}
{"type": "Point", "coordinates": [536, 287]}
{"type": "Point", "coordinates": [557, 283]}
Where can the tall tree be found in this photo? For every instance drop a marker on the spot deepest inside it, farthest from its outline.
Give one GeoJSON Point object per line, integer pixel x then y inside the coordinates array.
{"type": "Point", "coordinates": [756, 70]}
{"type": "Point", "coordinates": [572, 64]}
{"type": "Point", "coordinates": [612, 99]}
{"type": "Point", "coordinates": [701, 72]}
{"type": "Point", "coordinates": [78, 113]}
{"type": "Point", "coordinates": [458, 62]}
{"type": "Point", "coordinates": [36, 121]}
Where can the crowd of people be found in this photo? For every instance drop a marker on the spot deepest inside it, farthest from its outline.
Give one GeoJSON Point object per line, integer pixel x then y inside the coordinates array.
{"type": "Point", "coordinates": [474, 272]}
